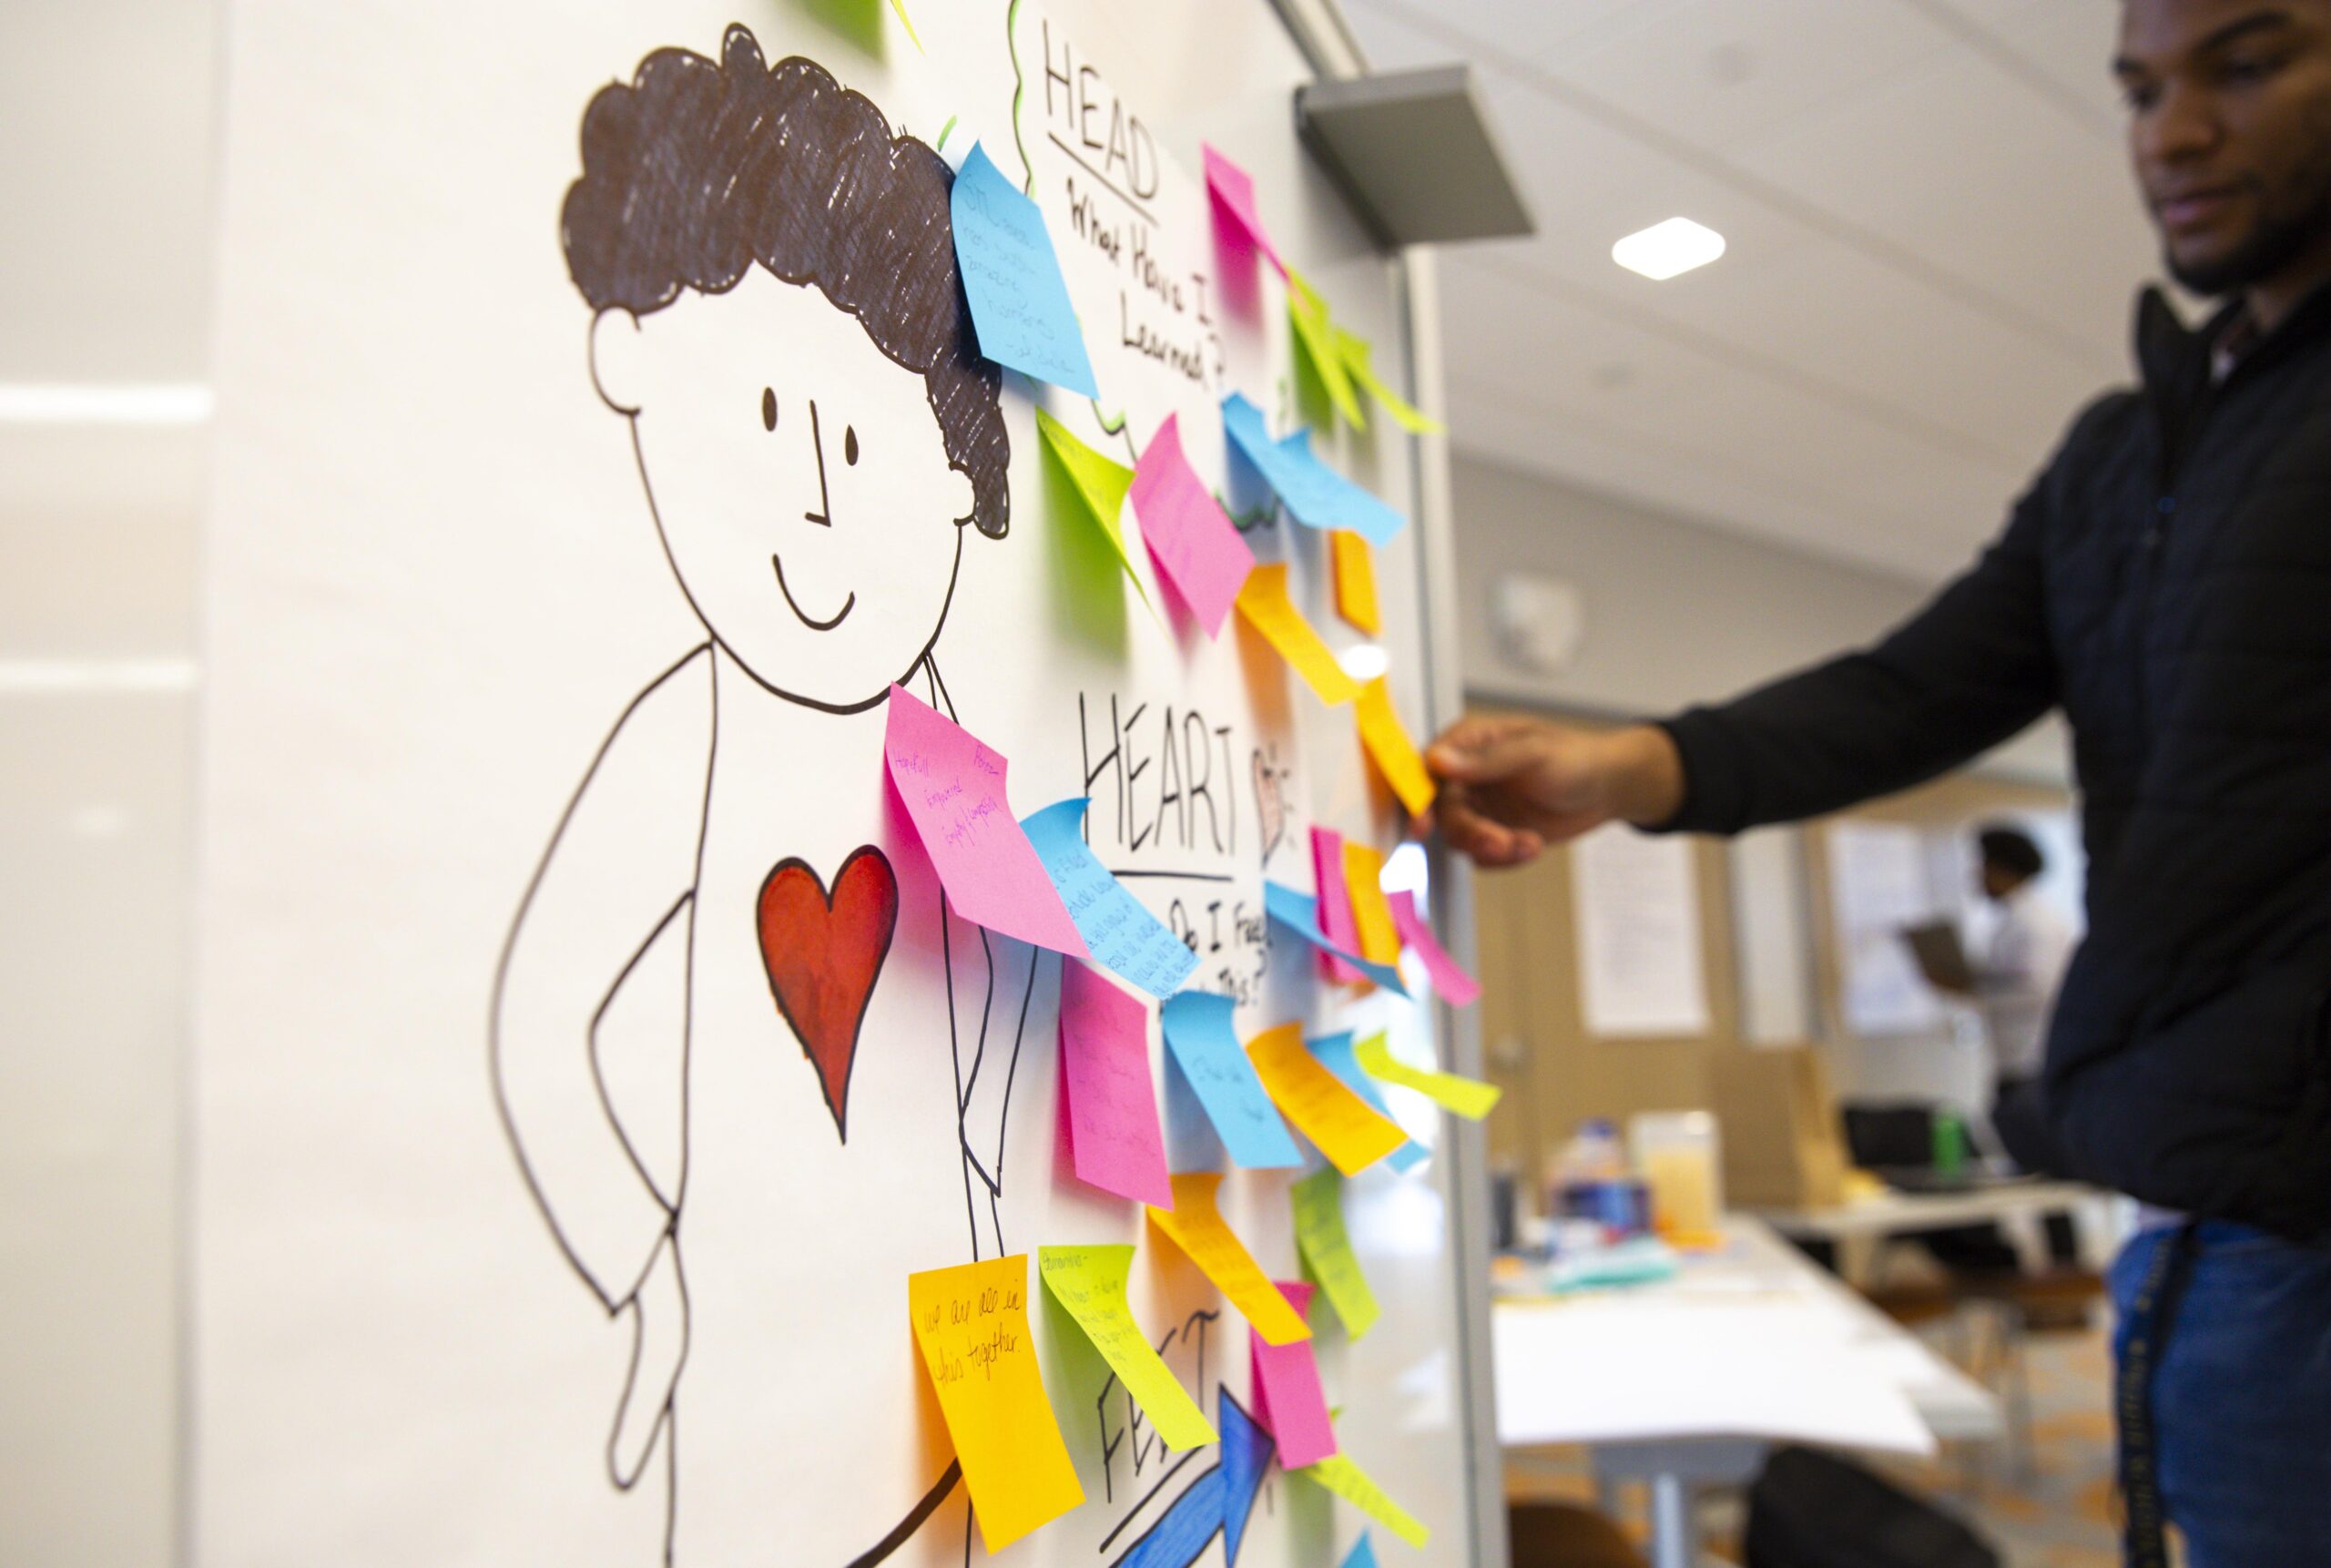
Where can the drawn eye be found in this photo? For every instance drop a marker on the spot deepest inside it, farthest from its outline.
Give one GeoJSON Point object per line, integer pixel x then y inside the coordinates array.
{"type": "Point", "coordinates": [850, 444]}
{"type": "Point", "coordinates": [768, 408]}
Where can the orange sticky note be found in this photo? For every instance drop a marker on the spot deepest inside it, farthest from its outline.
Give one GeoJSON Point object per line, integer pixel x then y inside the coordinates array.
{"type": "Point", "coordinates": [1379, 938]}
{"type": "Point", "coordinates": [972, 1324]}
{"type": "Point", "coordinates": [1395, 754]}
{"type": "Point", "coordinates": [1196, 1225]}
{"type": "Point", "coordinates": [1348, 1129]}
{"type": "Point", "coordinates": [1264, 602]}
{"type": "Point", "coordinates": [1356, 581]}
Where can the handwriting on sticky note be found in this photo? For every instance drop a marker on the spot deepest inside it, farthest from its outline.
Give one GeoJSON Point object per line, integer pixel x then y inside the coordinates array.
{"type": "Point", "coordinates": [1457, 988]}
{"type": "Point", "coordinates": [1195, 1225]}
{"type": "Point", "coordinates": [1355, 565]}
{"type": "Point", "coordinates": [1353, 1484]}
{"type": "Point", "coordinates": [1306, 312]}
{"type": "Point", "coordinates": [1326, 1247]}
{"type": "Point", "coordinates": [972, 1325]}
{"type": "Point", "coordinates": [1363, 876]}
{"type": "Point", "coordinates": [1122, 936]}
{"type": "Point", "coordinates": [1100, 483]}
{"type": "Point", "coordinates": [1345, 1127]}
{"type": "Point", "coordinates": [1264, 602]}
{"type": "Point", "coordinates": [1468, 1097]}
{"type": "Point", "coordinates": [1194, 544]}
{"type": "Point", "coordinates": [1113, 1138]}
{"type": "Point", "coordinates": [1335, 1054]}
{"type": "Point", "coordinates": [1200, 1034]}
{"type": "Point", "coordinates": [1354, 351]}
{"type": "Point", "coordinates": [1234, 195]}
{"type": "Point", "coordinates": [1021, 314]}
{"type": "Point", "coordinates": [1389, 748]}
{"type": "Point", "coordinates": [1299, 914]}
{"type": "Point", "coordinates": [954, 790]}
{"type": "Point", "coordinates": [1089, 1282]}
{"type": "Point", "coordinates": [1287, 1396]}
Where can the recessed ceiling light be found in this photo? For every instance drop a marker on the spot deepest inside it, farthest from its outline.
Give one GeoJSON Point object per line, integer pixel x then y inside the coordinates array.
{"type": "Point", "coordinates": [1668, 249]}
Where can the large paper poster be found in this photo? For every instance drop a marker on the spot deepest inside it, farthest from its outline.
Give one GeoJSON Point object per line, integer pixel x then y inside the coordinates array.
{"type": "Point", "coordinates": [589, 1049]}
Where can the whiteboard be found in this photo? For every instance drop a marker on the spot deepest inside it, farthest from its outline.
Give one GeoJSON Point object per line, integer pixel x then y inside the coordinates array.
{"type": "Point", "coordinates": [502, 742]}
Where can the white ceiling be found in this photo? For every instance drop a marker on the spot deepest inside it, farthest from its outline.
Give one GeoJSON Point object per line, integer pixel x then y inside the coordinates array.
{"type": "Point", "coordinates": [1933, 247]}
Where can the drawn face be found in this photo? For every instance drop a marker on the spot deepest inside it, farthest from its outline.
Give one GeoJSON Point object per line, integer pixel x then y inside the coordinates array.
{"type": "Point", "coordinates": [800, 479]}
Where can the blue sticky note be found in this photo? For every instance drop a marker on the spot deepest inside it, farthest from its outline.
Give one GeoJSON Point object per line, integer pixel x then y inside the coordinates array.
{"type": "Point", "coordinates": [1300, 912]}
{"type": "Point", "coordinates": [1122, 935]}
{"type": "Point", "coordinates": [1363, 1555]}
{"type": "Point", "coordinates": [1019, 310]}
{"type": "Point", "coordinates": [1313, 494]}
{"type": "Point", "coordinates": [1335, 1054]}
{"type": "Point", "coordinates": [1199, 1032]}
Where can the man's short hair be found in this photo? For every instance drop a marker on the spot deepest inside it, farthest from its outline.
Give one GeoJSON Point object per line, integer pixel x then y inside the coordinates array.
{"type": "Point", "coordinates": [695, 171]}
{"type": "Point", "coordinates": [2012, 851]}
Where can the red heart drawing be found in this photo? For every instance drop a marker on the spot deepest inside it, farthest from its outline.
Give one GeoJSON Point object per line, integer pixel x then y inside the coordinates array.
{"type": "Point", "coordinates": [822, 953]}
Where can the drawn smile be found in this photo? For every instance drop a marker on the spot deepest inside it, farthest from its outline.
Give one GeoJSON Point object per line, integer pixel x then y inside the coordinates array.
{"type": "Point", "coordinates": [809, 620]}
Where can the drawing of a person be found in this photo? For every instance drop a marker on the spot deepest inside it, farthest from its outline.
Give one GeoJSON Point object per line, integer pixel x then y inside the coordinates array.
{"type": "Point", "coordinates": [778, 320]}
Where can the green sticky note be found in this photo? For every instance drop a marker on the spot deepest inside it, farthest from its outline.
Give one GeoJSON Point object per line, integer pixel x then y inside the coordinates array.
{"type": "Point", "coordinates": [1353, 351]}
{"type": "Point", "coordinates": [908, 23]}
{"type": "Point", "coordinates": [1309, 314]}
{"type": "Point", "coordinates": [1089, 1282]}
{"type": "Point", "coordinates": [1099, 483]}
{"type": "Point", "coordinates": [1468, 1097]}
{"type": "Point", "coordinates": [1326, 1247]}
{"type": "Point", "coordinates": [1339, 1475]}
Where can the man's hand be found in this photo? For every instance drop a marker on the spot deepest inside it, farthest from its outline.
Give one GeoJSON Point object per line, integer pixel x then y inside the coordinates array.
{"type": "Point", "coordinates": [1510, 786]}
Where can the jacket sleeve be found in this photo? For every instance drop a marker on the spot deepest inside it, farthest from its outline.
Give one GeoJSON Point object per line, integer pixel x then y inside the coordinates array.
{"type": "Point", "coordinates": [1967, 671]}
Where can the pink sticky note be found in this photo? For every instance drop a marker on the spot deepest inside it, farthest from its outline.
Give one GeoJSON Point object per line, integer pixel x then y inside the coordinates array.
{"type": "Point", "coordinates": [1457, 988]}
{"type": "Point", "coordinates": [1289, 1400]}
{"type": "Point", "coordinates": [953, 788]}
{"type": "Point", "coordinates": [1233, 189]}
{"type": "Point", "coordinates": [1193, 543]}
{"type": "Point", "coordinates": [1113, 1132]}
{"type": "Point", "coordinates": [1337, 923]}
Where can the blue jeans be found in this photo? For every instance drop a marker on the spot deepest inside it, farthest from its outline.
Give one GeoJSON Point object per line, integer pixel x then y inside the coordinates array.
{"type": "Point", "coordinates": [2240, 1395]}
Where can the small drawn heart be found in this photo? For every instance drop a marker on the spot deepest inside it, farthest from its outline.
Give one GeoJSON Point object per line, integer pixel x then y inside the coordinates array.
{"type": "Point", "coordinates": [1270, 801]}
{"type": "Point", "coordinates": [823, 952]}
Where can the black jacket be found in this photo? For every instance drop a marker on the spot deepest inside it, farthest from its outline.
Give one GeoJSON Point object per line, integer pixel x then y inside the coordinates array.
{"type": "Point", "coordinates": [2167, 580]}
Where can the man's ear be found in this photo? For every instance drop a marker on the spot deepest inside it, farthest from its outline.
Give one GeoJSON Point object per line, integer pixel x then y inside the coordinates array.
{"type": "Point", "coordinates": [966, 495]}
{"type": "Point", "coordinates": [615, 360]}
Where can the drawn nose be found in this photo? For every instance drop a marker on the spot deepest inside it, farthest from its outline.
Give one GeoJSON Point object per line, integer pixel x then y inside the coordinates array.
{"type": "Point", "coordinates": [818, 445]}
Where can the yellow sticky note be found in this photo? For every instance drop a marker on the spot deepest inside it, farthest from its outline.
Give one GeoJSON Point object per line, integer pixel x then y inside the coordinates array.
{"type": "Point", "coordinates": [1348, 1129]}
{"type": "Point", "coordinates": [1264, 602]}
{"type": "Point", "coordinates": [1386, 740]}
{"type": "Point", "coordinates": [1356, 581]}
{"type": "Point", "coordinates": [1339, 1475]}
{"type": "Point", "coordinates": [1196, 1225]}
{"type": "Point", "coordinates": [1100, 483]}
{"type": "Point", "coordinates": [1380, 939]}
{"type": "Point", "coordinates": [1090, 1283]}
{"type": "Point", "coordinates": [1468, 1097]}
{"type": "Point", "coordinates": [1307, 313]}
{"type": "Point", "coordinates": [971, 1323]}
{"type": "Point", "coordinates": [1353, 351]}
{"type": "Point", "coordinates": [1326, 1245]}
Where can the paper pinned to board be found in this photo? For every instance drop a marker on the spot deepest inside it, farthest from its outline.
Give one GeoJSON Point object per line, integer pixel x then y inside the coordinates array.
{"type": "Point", "coordinates": [1467, 1097]}
{"type": "Point", "coordinates": [1195, 1225]}
{"type": "Point", "coordinates": [1326, 1247]}
{"type": "Point", "coordinates": [954, 790]}
{"type": "Point", "coordinates": [1021, 314]}
{"type": "Point", "coordinates": [1457, 988]}
{"type": "Point", "coordinates": [1200, 1034]}
{"type": "Point", "coordinates": [1114, 1141]}
{"type": "Point", "coordinates": [1357, 357]}
{"type": "Point", "coordinates": [1101, 482]}
{"type": "Point", "coordinates": [1089, 1282]}
{"type": "Point", "coordinates": [1187, 534]}
{"type": "Point", "coordinates": [1264, 602]}
{"type": "Point", "coordinates": [1355, 1486]}
{"type": "Point", "coordinates": [1355, 564]}
{"type": "Point", "coordinates": [1346, 1127]}
{"type": "Point", "coordinates": [1335, 919]}
{"type": "Point", "coordinates": [1335, 1054]}
{"type": "Point", "coordinates": [1307, 314]}
{"type": "Point", "coordinates": [1387, 741]}
{"type": "Point", "coordinates": [972, 1325]}
{"type": "Point", "coordinates": [1298, 913]}
{"type": "Point", "coordinates": [1123, 937]}
{"type": "Point", "coordinates": [1289, 1400]}
{"type": "Point", "coordinates": [1233, 190]}
{"type": "Point", "coordinates": [1363, 873]}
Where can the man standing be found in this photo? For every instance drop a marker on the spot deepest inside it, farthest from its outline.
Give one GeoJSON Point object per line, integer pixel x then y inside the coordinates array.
{"type": "Point", "coordinates": [2167, 580]}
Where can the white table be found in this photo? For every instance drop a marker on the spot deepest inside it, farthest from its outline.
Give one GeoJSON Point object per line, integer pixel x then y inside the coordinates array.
{"type": "Point", "coordinates": [1685, 1381]}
